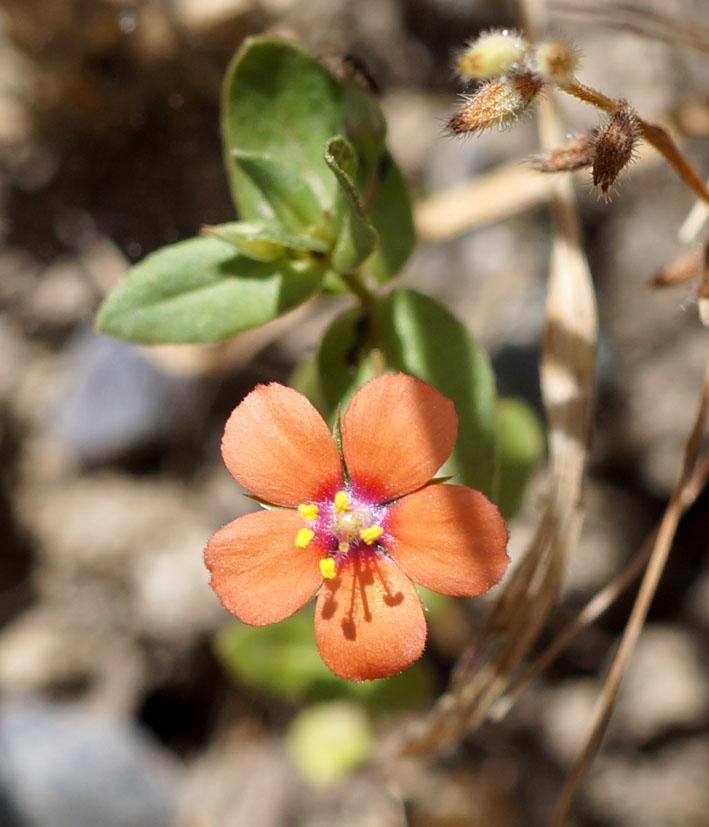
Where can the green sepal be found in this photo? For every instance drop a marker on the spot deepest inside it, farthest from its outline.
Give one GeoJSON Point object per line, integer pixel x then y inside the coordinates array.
{"type": "Point", "coordinates": [356, 237]}
{"type": "Point", "coordinates": [200, 291]}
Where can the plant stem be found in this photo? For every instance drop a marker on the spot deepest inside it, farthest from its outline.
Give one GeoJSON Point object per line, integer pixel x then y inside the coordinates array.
{"type": "Point", "coordinates": [653, 134]}
{"type": "Point", "coordinates": [355, 283]}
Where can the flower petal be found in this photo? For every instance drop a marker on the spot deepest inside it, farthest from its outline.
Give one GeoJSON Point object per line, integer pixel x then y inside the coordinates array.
{"type": "Point", "coordinates": [448, 538]}
{"type": "Point", "coordinates": [257, 571]}
{"type": "Point", "coordinates": [396, 433]}
{"type": "Point", "coordinates": [368, 620]}
{"type": "Point", "coordinates": [278, 447]}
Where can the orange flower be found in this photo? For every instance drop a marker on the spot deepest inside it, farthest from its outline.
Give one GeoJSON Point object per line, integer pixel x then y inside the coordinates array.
{"type": "Point", "coordinates": [357, 528]}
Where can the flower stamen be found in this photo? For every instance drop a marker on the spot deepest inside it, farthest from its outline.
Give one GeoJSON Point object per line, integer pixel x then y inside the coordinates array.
{"type": "Point", "coordinates": [341, 502]}
{"type": "Point", "coordinates": [327, 568]}
{"type": "Point", "coordinates": [303, 537]}
{"type": "Point", "coordinates": [371, 534]}
{"type": "Point", "coordinates": [308, 511]}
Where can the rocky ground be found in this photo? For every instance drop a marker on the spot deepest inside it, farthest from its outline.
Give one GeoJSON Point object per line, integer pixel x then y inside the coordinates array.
{"type": "Point", "coordinates": [113, 708]}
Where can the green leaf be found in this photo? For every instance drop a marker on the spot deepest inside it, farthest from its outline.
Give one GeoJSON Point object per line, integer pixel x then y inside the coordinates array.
{"type": "Point", "coordinates": [520, 444]}
{"type": "Point", "coordinates": [286, 191]}
{"type": "Point", "coordinates": [380, 183]}
{"type": "Point", "coordinates": [391, 215]}
{"type": "Point", "coordinates": [280, 101]}
{"type": "Point", "coordinates": [263, 240]}
{"type": "Point", "coordinates": [356, 238]}
{"type": "Point", "coordinates": [200, 291]}
{"type": "Point", "coordinates": [305, 378]}
{"type": "Point", "coordinates": [365, 126]}
{"type": "Point", "coordinates": [283, 661]}
{"type": "Point", "coordinates": [345, 360]}
{"type": "Point", "coordinates": [420, 337]}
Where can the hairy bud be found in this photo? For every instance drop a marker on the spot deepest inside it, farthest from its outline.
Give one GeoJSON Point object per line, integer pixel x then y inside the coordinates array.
{"type": "Point", "coordinates": [556, 62]}
{"type": "Point", "coordinates": [496, 102]}
{"type": "Point", "coordinates": [615, 146]}
{"type": "Point", "coordinates": [491, 54]}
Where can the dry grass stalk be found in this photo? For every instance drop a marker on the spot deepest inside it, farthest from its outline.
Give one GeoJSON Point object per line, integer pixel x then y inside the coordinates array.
{"type": "Point", "coordinates": [599, 603]}
{"type": "Point", "coordinates": [641, 19]}
{"type": "Point", "coordinates": [682, 496]}
{"type": "Point", "coordinates": [493, 196]}
{"type": "Point", "coordinates": [568, 389]}
{"type": "Point", "coordinates": [681, 270]}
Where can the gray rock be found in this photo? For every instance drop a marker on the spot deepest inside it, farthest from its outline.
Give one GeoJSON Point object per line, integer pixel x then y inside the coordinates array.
{"type": "Point", "coordinates": [67, 766]}
{"type": "Point", "coordinates": [116, 400]}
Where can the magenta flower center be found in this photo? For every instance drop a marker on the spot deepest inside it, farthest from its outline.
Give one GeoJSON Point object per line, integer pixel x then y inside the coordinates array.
{"type": "Point", "coordinates": [339, 526]}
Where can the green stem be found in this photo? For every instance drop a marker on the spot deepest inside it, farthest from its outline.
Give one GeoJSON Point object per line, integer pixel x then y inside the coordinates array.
{"type": "Point", "coordinates": [356, 284]}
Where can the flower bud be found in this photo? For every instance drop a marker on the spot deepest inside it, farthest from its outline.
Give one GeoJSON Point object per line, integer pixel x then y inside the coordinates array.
{"type": "Point", "coordinates": [556, 62]}
{"type": "Point", "coordinates": [491, 54]}
{"type": "Point", "coordinates": [496, 102]}
{"type": "Point", "coordinates": [615, 146]}
{"type": "Point", "coordinates": [574, 154]}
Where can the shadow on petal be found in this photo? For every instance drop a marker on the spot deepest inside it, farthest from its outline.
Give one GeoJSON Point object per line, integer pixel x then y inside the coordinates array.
{"type": "Point", "coordinates": [376, 626]}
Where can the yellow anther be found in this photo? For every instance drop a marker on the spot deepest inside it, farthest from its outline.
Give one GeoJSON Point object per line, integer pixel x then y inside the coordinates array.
{"type": "Point", "coordinates": [369, 535]}
{"type": "Point", "coordinates": [341, 502]}
{"type": "Point", "coordinates": [327, 568]}
{"type": "Point", "coordinates": [303, 537]}
{"type": "Point", "coordinates": [308, 512]}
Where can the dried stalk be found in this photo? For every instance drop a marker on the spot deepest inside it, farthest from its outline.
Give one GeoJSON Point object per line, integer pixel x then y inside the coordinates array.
{"type": "Point", "coordinates": [600, 602]}
{"type": "Point", "coordinates": [568, 389]}
{"type": "Point", "coordinates": [679, 500]}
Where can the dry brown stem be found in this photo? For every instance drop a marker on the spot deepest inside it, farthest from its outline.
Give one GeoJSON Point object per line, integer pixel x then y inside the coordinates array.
{"type": "Point", "coordinates": [682, 495]}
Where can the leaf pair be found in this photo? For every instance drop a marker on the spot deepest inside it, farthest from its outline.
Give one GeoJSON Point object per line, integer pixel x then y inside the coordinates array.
{"type": "Point", "coordinates": [317, 192]}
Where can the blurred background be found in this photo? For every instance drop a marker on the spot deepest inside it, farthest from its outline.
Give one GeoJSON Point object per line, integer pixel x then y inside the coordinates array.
{"type": "Point", "coordinates": [127, 697]}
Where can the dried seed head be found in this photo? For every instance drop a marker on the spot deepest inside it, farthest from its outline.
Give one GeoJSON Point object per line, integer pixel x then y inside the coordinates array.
{"type": "Point", "coordinates": [496, 102]}
{"type": "Point", "coordinates": [556, 61]}
{"type": "Point", "coordinates": [615, 146]}
{"type": "Point", "coordinates": [574, 154]}
{"type": "Point", "coordinates": [491, 54]}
